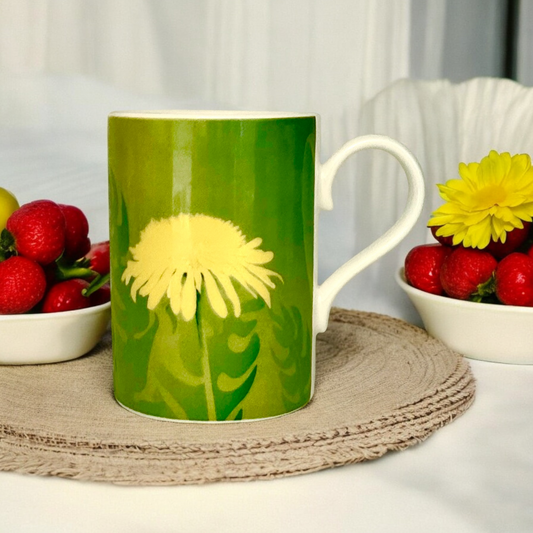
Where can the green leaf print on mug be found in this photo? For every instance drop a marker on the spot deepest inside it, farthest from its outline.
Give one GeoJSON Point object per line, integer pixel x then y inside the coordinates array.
{"type": "Point", "coordinates": [294, 365]}
{"type": "Point", "coordinates": [133, 326]}
{"type": "Point", "coordinates": [185, 267]}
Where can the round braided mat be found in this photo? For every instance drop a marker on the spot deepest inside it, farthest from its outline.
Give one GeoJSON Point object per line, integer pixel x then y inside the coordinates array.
{"type": "Point", "coordinates": [382, 385]}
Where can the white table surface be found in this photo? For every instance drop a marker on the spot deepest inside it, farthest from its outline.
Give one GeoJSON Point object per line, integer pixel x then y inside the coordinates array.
{"type": "Point", "coordinates": [474, 475]}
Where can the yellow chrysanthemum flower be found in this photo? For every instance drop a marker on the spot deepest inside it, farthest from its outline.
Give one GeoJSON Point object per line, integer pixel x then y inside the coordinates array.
{"type": "Point", "coordinates": [177, 255]}
{"type": "Point", "coordinates": [493, 197]}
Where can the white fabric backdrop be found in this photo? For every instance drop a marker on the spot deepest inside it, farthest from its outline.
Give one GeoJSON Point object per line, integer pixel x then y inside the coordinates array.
{"type": "Point", "coordinates": [65, 64]}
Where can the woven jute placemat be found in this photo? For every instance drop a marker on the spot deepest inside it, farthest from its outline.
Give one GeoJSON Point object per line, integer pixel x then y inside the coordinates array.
{"type": "Point", "coordinates": [382, 385]}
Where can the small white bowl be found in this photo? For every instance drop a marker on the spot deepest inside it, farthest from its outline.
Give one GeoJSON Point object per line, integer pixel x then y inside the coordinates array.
{"type": "Point", "coordinates": [489, 332]}
{"type": "Point", "coordinates": [51, 337]}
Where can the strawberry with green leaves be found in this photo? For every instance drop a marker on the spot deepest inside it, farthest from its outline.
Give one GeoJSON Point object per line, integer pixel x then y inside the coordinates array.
{"type": "Point", "coordinates": [66, 296]}
{"type": "Point", "coordinates": [75, 294]}
{"type": "Point", "coordinates": [101, 295]}
{"type": "Point", "coordinates": [466, 274]}
{"type": "Point", "coordinates": [43, 263]}
{"type": "Point", "coordinates": [93, 266]}
{"type": "Point", "coordinates": [36, 231]}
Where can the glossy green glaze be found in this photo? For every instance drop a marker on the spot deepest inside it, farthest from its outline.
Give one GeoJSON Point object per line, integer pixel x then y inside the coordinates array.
{"type": "Point", "coordinates": [212, 236]}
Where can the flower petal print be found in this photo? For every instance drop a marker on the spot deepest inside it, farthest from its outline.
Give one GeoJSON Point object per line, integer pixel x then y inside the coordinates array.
{"type": "Point", "coordinates": [492, 197]}
{"type": "Point", "coordinates": [176, 255]}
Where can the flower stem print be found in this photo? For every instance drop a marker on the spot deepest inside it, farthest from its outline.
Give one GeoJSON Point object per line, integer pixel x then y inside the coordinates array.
{"type": "Point", "coordinates": [206, 367]}
{"type": "Point", "coordinates": [133, 326]}
{"type": "Point", "coordinates": [189, 268]}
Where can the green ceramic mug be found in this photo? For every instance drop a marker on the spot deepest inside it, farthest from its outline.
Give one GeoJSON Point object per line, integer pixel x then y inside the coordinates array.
{"type": "Point", "coordinates": [215, 301]}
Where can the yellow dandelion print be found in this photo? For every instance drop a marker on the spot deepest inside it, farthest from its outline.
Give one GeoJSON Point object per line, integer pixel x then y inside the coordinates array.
{"type": "Point", "coordinates": [177, 256]}
{"type": "Point", "coordinates": [492, 198]}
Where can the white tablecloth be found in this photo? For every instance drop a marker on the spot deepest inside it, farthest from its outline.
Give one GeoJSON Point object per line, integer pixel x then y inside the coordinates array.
{"type": "Point", "coordinates": [472, 476]}
{"type": "Point", "coordinates": [475, 475]}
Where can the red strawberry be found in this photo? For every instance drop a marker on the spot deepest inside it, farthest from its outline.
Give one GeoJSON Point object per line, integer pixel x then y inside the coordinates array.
{"type": "Point", "coordinates": [514, 280]}
{"type": "Point", "coordinates": [66, 296]}
{"type": "Point", "coordinates": [77, 242]}
{"type": "Point", "coordinates": [22, 285]}
{"type": "Point", "coordinates": [50, 272]}
{"type": "Point", "coordinates": [98, 255]}
{"type": "Point", "coordinates": [39, 231]}
{"type": "Point", "coordinates": [101, 296]}
{"type": "Point", "coordinates": [448, 241]}
{"type": "Point", "coordinates": [514, 239]}
{"type": "Point", "coordinates": [465, 270]}
{"type": "Point", "coordinates": [422, 267]}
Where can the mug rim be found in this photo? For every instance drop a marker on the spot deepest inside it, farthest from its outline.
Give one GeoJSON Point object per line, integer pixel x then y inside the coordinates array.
{"type": "Point", "coordinates": [206, 114]}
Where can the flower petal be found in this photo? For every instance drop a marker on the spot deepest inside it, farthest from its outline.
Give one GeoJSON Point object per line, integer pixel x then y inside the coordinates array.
{"type": "Point", "coordinates": [475, 218]}
{"type": "Point", "coordinates": [479, 235]}
{"type": "Point", "coordinates": [459, 236]}
{"type": "Point", "coordinates": [448, 230]}
{"type": "Point", "coordinates": [231, 293]}
{"type": "Point", "coordinates": [254, 243]}
{"type": "Point", "coordinates": [214, 296]}
{"type": "Point", "coordinates": [263, 275]}
{"type": "Point", "coordinates": [524, 211]}
{"type": "Point", "coordinates": [255, 283]}
{"type": "Point", "coordinates": [137, 284]}
{"type": "Point", "coordinates": [469, 175]}
{"type": "Point", "coordinates": [159, 289]}
{"type": "Point", "coordinates": [174, 292]}
{"type": "Point", "coordinates": [188, 298]}
{"type": "Point", "coordinates": [197, 274]}
{"type": "Point", "coordinates": [258, 257]}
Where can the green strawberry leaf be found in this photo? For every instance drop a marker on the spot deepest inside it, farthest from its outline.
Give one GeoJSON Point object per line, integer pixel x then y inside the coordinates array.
{"type": "Point", "coordinates": [66, 269]}
{"type": "Point", "coordinates": [7, 245]}
{"type": "Point", "coordinates": [95, 284]}
{"type": "Point", "coordinates": [484, 290]}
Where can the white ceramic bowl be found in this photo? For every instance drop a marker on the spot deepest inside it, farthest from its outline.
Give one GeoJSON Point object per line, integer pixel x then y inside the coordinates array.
{"type": "Point", "coordinates": [489, 332]}
{"type": "Point", "coordinates": [51, 337]}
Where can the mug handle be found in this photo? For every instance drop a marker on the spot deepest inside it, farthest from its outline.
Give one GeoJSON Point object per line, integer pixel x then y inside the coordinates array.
{"type": "Point", "coordinates": [329, 289]}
